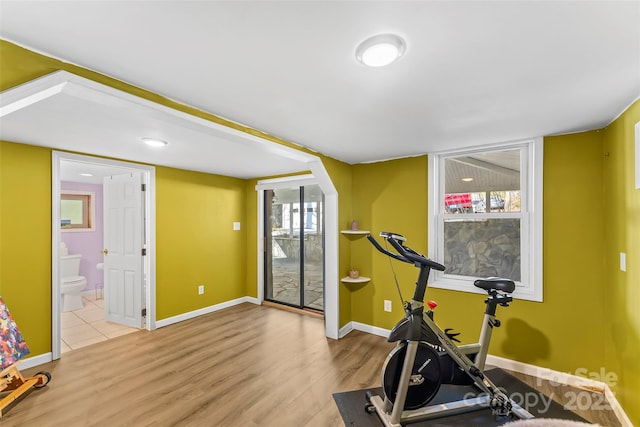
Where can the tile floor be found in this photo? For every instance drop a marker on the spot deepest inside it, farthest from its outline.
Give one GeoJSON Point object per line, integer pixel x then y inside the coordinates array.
{"type": "Point", "coordinates": [87, 326]}
{"type": "Point", "coordinates": [286, 283]}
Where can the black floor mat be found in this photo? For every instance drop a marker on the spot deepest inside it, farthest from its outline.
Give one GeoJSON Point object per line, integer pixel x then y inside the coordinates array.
{"type": "Point", "coordinates": [351, 404]}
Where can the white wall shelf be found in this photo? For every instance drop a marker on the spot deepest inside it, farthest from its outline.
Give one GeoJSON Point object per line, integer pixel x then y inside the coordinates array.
{"type": "Point", "coordinates": [360, 279]}
{"type": "Point", "coordinates": [355, 232]}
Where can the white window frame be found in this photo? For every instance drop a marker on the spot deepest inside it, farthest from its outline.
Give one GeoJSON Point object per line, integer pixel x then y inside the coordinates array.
{"type": "Point", "coordinates": [531, 161]}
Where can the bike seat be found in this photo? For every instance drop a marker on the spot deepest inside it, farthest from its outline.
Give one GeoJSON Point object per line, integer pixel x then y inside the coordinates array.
{"type": "Point", "coordinates": [495, 283]}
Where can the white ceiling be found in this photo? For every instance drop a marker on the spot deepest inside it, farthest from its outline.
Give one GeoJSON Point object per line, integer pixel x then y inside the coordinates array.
{"type": "Point", "coordinates": [473, 73]}
{"type": "Point", "coordinates": [68, 112]}
{"type": "Point", "coordinates": [72, 171]}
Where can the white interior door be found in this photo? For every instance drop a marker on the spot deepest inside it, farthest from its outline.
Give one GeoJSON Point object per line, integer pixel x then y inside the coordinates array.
{"type": "Point", "coordinates": [123, 244]}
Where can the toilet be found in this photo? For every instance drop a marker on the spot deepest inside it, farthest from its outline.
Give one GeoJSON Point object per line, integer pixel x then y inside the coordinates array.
{"type": "Point", "coordinates": [71, 283]}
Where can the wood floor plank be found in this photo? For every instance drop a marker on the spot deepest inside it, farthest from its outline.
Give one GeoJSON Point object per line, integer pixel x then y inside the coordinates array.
{"type": "Point", "coordinates": [244, 366]}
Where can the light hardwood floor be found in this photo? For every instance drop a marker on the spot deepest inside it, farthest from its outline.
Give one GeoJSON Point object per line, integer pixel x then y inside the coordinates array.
{"type": "Point", "coordinates": [244, 366]}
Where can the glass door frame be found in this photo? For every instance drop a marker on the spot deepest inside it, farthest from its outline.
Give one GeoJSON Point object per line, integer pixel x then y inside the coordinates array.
{"type": "Point", "coordinates": [302, 203]}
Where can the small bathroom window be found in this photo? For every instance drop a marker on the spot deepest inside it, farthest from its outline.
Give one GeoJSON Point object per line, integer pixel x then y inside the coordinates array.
{"type": "Point", "coordinates": [76, 211]}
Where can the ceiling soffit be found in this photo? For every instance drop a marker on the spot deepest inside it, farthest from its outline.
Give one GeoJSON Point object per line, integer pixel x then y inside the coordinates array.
{"type": "Point", "coordinates": [68, 112]}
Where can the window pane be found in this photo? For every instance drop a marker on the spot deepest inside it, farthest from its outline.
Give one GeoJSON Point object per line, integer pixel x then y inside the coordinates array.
{"type": "Point", "coordinates": [482, 248]}
{"type": "Point", "coordinates": [482, 182]}
{"type": "Point", "coordinates": [71, 210]}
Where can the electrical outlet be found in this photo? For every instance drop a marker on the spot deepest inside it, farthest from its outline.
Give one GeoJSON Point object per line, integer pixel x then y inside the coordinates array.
{"type": "Point", "coordinates": [200, 289]}
{"type": "Point", "coordinates": [387, 305]}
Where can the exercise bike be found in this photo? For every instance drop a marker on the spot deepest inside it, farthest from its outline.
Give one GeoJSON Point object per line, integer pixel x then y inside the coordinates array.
{"type": "Point", "coordinates": [426, 357]}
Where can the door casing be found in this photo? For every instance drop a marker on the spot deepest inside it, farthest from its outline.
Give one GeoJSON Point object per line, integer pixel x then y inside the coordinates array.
{"type": "Point", "coordinates": [268, 265]}
{"type": "Point", "coordinates": [148, 174]}
{"type": "Point", "coordinates": [319, 176]}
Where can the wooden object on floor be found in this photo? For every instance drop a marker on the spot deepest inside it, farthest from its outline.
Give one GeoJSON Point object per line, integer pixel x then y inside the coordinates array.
{"type": "Point", "coordinates": [14, 386]}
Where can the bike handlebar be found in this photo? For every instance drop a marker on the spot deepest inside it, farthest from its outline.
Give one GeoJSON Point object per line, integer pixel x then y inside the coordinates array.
{"type": "Point", "coordinates": [406, 254]}
{"type": "Point", "coordinates": [386, 252]}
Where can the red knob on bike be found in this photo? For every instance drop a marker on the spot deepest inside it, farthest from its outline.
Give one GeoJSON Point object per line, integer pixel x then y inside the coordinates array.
{"type": "Point", "coordinates": [432, 304]}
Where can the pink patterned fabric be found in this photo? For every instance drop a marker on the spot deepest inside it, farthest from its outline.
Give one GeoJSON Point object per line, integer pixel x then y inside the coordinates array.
{"type": "Point", "coordinates": [12, 344]}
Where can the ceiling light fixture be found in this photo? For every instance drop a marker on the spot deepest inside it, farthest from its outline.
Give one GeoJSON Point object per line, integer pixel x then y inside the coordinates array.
{"type": "Point", "coordinates": [86, 174]}
{"type": "Point", "coordinates": [154, 142]}
{"type": "Point", "coordinates": [380, 50]}
{"type": "Point", "coordinates": [467, 179]}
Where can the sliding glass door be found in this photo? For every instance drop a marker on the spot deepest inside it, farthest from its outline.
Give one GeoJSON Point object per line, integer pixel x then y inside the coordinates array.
{"type": "Point", "coordinates": [294, 247]}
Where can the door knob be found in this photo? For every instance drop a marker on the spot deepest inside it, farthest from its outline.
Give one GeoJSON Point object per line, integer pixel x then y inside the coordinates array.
{"type": "Point", "coordinates": [105, 251]}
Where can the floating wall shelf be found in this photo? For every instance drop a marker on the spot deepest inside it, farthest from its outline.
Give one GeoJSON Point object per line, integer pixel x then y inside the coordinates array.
{"type": "Point", "coordinates": [360, 279]}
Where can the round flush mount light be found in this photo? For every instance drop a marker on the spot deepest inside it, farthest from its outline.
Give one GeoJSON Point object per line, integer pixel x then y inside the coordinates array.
{"type": "Point", "coordinates": [380, 50]}
{"type": "Point", "coordinates": [467, 179]}
{"type": "Point", "coordinates": [154, 142]}
{"type": "Point", "coordinates": [86, 174]}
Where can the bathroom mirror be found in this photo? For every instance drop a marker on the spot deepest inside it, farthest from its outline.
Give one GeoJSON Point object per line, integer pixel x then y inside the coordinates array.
{"type": "Point", "coordinates": [76, 211]}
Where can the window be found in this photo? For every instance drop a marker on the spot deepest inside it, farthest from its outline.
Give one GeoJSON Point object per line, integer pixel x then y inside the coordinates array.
{"type": "Point", "coordinates": [485, 216]}
{"type": "Point", "coordinates": [76, 211]}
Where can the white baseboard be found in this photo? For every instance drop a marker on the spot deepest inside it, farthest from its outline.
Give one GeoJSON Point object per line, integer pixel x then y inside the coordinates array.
{"type": "Point", "coordinates": [547, 374]}
{"type": "Point", "coordinates": [32, 361]}
{"type": "Point", "coordinates": [252, 300]}
{"type": "Point", "coordinates": [371, 329]}
{"type": "Point", "coordinates": [206, 310]}
{"type": "Point", "coordinates": [357, 326]}
{"type": "Point", "coordinates": [345, 330]}
{"type": "Point", "coordinates": [564, 378]}
{"type": "Point", "coordinates": [616, 407]}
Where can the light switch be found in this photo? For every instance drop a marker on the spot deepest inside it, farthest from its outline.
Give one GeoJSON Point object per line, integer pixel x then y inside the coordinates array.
{"type": "Point", "coordinates": [236, 226]}
{"type": "Point", "coordinates": [623, 261]}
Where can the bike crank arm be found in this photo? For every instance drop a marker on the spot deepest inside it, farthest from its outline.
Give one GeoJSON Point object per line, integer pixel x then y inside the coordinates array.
{"type": "Point", "coordinates": [500, 403]}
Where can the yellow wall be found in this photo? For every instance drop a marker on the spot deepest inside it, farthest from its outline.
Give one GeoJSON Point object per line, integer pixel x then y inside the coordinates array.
{"type": "Point", "coordinates": [1, 145]}
{"type": "Point", "coordinates": [622, 289]}
{"type": "Point", "coordinates": [387, 196]}
{"type": "Point", "coordinates": [196, 243]}
{"type": "Point", "coordinates": [391, 196]}
{"type": "Point", "coordinates": [583, 192]}
{"type": "Point", "coordinates": [25, 239]}
{"type": "Point", "coordinates": [195, 240]}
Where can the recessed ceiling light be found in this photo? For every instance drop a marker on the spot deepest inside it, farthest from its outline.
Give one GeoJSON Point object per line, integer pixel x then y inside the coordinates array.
{"type": "Point", "coordinates": [380, 50]}
{"type": "Point", "coordinates": [154, 142]}
{"type": "Point", "coordinates": [467, 179]}
{"type": "Point", "coordinates": [86, 174]}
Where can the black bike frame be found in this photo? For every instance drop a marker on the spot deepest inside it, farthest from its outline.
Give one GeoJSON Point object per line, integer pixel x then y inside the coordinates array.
{"type": "Point", "coordinates": [418, 326]}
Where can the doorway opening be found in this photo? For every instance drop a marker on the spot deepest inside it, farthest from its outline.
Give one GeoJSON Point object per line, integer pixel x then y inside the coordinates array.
{"type": "Point", "coordinates": [294, 247]}
{"type": "Point", "coordinates": [113, 260]}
